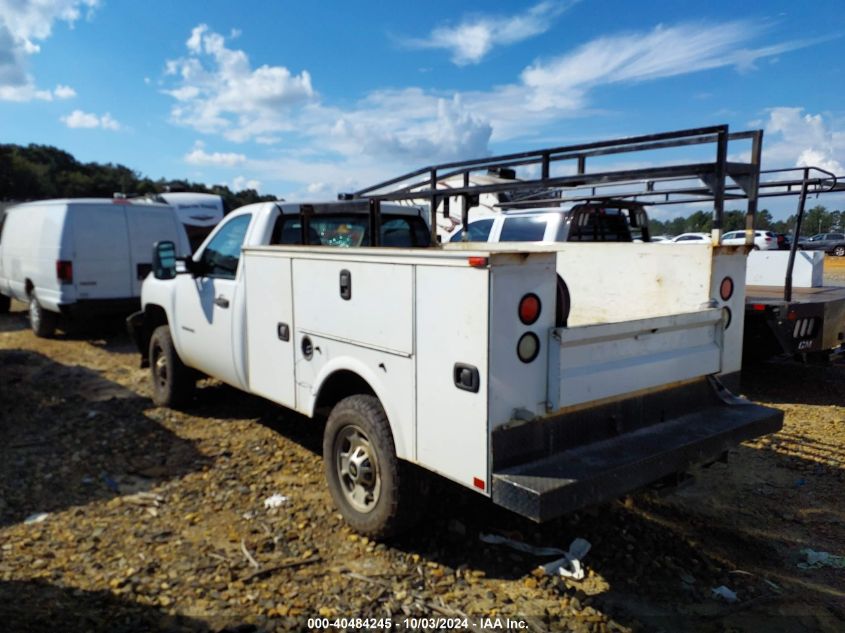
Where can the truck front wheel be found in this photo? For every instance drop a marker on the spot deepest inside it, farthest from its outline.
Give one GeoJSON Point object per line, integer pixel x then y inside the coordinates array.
{"type": "Point", "coordinates": [376, 493]}
{"type": "Point", "coordinates": [173, 382]}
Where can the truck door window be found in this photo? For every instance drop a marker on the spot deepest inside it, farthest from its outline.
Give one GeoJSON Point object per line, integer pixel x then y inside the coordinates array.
{"type": "Point", "coordinates": [523, 229]}
{"type": "Point", "coordinates": [478, 231]}
{"type": "Point", "coordinates": [220, 258]}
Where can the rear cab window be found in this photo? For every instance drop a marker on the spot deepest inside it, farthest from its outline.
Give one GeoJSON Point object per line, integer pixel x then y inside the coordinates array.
{"type": "Point", "coordinates": [599, 224]}
{"type": "Point", "coordinates": [350, 230]}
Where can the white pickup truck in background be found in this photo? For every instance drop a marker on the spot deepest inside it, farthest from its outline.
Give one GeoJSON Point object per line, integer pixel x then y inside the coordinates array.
{"type": "Point", "coordinates": [457, 360]}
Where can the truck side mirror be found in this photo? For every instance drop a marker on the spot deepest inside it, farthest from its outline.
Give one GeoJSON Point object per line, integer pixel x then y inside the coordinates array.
{"type": "Point", "coordinates": [164, 260]}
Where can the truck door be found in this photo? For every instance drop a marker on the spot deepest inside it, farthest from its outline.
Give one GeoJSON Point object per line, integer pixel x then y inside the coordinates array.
{"type": "Point", "coordinates": [210, 306]}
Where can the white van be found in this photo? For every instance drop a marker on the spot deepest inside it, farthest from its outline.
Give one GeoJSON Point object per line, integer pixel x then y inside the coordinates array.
{"type": "Point", "coordinates": [80, 257]}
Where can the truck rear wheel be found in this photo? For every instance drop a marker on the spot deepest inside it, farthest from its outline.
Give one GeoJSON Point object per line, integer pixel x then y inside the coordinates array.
{"type": "Point", "coordinates": [173, 382]}
{"type": "Point", "coordinates": [376, 493]}
{"type": "Point", "coordinates": [42, 322]}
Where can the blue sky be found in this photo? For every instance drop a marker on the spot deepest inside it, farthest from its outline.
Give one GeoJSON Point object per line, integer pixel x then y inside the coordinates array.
{"type": "Point", "coordinates": [307, 99]}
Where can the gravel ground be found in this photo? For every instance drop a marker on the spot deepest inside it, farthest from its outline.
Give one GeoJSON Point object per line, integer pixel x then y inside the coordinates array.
{"type": "Point", "coordinates": [155, 519]}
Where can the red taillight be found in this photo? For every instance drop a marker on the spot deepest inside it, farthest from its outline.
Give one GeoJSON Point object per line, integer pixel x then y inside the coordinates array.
{"type": "Point", "coordinates": [758, 307]}
{"type": "Point", "coordinates": [726, 288]}
{"type": "Point", "coordinates": [64, 271]}
{"type": "Point", "coordinates": [478, 483]}
{"type": "Point", "coordinates": [529, 308]}
{"type": "Point", "coordinates": [792, 315]}
{"type": "Point", "coordinates": [477, 262]}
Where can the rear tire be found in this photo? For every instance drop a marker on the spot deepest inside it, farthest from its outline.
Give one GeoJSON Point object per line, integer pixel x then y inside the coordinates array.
{"type": "Point", "coordinates": [42, 322]}
{"type": "Point", "coordinates": [5, 304]}
{"type": "Point", "coordinates": [173, 382]}
{"type": "Point", "coordinates": [839, 251]}
{"type": "Point", "coordinates": [378, 495]}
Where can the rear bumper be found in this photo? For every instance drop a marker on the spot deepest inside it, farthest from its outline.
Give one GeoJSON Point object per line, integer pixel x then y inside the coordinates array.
{"type": "Point", "coordinates": [548, 468]}
{"type": "Point", "coordinates": [99, 307]}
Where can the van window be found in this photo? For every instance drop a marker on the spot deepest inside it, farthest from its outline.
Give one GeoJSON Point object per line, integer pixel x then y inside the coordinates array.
{"type": "Point", "coordinates": [220, 258]}
{"type": "Point", "coordinates": [523, 229]}
{"type": "Point", "coordinates": [478, 231]}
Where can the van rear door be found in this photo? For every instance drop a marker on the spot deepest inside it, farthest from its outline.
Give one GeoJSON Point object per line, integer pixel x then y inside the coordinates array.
{"type": "Point", "coordinates": [100, 251]}
{"type": "Point", "coordinates": [148, 225]}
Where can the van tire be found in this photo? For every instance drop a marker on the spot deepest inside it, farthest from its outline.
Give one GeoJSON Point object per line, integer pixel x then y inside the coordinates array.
{"type": "Point", "coordinates": [378, 494]}
{"type": "Point", "coordinates": [5, 304]}
{"type": "Point", "coordinates": [173, 382]}
{"type": "Point", "coordinates": [42, 322]}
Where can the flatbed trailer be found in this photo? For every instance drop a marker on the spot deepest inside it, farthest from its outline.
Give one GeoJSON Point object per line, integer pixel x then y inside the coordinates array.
{"type": "Point", "coordinates": [811, 324]}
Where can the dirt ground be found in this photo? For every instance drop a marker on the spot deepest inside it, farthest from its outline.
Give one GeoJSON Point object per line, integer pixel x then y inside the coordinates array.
{"type": "Point", "coordinates": [155, 519]}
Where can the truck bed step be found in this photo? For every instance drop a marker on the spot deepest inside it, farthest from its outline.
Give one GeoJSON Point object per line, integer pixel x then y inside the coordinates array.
{"type": "Point", "coordinates": [604, 470]}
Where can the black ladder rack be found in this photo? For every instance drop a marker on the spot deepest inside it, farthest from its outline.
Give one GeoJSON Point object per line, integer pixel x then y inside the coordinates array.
{"type": "Point", "coordinates": [718, 178]}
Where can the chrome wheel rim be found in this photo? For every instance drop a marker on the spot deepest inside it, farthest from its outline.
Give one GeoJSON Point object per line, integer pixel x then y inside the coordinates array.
{"type": "Point", "coordinates": [357, 469]}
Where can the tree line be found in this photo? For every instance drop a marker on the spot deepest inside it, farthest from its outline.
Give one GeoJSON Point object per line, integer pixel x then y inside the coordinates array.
{"type": "Point", "coordinates": [39, 172]}
{"type": "Point", "coordinates": [816, 220]}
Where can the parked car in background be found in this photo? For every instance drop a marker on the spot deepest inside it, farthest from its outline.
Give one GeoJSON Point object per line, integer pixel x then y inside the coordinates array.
{"type": "Point", "coordinates": [833, 243]}
{"type": "Point", "coordinates": [81, 257]}
{"type": "Point", "coordinates": [763, 240]}
{"type": "Point", "coordinates": [689, 238]}
{"type": "Point", "coordinates": [605, 222]}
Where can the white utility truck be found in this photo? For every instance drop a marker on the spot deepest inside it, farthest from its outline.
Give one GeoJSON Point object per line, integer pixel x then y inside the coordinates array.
{"type": "Point", "coordinates": [80, 257]}
{"type": "Point", "coordinates": [462, 360]}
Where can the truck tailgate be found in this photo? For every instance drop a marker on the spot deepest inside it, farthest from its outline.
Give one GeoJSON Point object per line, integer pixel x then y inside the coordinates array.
{"type": "Point", "coordinates": [594, 362]}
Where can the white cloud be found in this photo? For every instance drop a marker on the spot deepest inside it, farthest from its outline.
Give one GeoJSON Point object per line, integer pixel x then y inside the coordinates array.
{"type": "Point", "coordinates": [64, 92]}
{"type": "Point", "coordinates": [22, 25]}
{"type": "Point", "coordinates": [217, 90]}
{"type": "Point", "coordinates": [80, 119]}
{"type": "Point", "coordinates": [803, 139]}
{"type": "Point", "coordinates": [564, 81]}
{"type": "Point", "coordinates": [471, 40]}
{"type": "Point", "coordinates": [198, 156]}
{"type": "Point", "coordinates": [241, 182]}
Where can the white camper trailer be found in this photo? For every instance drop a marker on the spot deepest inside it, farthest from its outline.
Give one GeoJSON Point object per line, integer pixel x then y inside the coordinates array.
{"type": "Point", "coordinates": [80, 257]}
{"type": "Point", "coordinates": [198, 212]}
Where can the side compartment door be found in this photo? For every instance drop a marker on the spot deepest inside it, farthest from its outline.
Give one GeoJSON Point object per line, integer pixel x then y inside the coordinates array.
{"type": "Point", "coordinates": [269, 319]}
{"type": "Point", "coordinates": [452, 334]}
{"type": "Point", "coordinates": [210, 307]}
